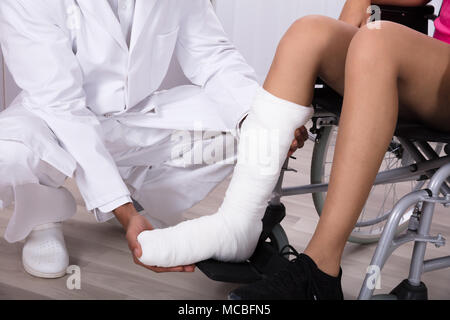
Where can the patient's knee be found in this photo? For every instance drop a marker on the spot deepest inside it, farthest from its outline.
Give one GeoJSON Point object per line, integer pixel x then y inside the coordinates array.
{"type": "Point", "coordinates": [312, 33]}
{"type": "Point", "coordinates": [371, 50]}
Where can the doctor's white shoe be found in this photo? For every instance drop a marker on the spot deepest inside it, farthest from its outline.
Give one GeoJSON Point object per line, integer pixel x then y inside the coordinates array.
{"type": "Point", "coordinates": [44, 254]}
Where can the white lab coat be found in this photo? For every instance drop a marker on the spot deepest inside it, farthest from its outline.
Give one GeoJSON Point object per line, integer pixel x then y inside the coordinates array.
{"type": "Point", "coordinates": [76, 70]}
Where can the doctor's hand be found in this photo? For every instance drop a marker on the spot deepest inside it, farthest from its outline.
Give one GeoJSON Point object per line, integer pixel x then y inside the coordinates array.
{"type": "Point", "coordinates": [301, 135]}
{"type": "Point", "coordinates": [134, 224]}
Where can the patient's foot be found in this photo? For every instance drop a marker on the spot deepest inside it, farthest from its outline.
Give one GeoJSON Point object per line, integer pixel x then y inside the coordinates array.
{"type": "Point", "coordinates": [301, 280]}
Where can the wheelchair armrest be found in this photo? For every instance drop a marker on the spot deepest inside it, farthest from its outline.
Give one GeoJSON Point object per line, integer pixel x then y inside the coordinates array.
{"type": "Point", "coordinates": [413, 17]}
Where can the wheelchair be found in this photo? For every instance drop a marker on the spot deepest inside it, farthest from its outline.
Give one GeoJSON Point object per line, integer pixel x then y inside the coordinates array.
{"type": "Point", "coordinates": [413, 179]}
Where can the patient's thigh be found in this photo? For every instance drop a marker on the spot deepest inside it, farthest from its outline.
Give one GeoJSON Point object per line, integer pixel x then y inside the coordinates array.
{"type": "Point", "coordinates": [424, 76]}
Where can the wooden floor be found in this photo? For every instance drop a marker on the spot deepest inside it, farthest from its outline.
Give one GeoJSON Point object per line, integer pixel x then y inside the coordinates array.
{"type": "Point", "coordinates": [107, 271]}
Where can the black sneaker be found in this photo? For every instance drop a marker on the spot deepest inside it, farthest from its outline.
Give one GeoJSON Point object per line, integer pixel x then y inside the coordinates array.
{"type": "Point", "coordinates": [300, 280]}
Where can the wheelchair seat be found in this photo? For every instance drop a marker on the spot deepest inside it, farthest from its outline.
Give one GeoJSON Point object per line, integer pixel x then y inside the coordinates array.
{"type": "Point", "coordinates": [420, 132]}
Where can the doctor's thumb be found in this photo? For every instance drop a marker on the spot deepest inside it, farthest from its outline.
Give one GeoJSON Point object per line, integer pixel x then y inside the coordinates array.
{"type": "Point", "coordinates": [137, 251]}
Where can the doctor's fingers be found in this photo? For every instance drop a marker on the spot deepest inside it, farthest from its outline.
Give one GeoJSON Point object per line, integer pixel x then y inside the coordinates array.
{"type": "Point", "coordinates": [301, 133]}
{"type": "Point", "coordinates": [298, 143]}
{"type": "Point", "coordinates": [163, 270]}
{"type": "Point", "coordinates": [137, 225]}
{"type": "Point", "coordinates": [133, 244]}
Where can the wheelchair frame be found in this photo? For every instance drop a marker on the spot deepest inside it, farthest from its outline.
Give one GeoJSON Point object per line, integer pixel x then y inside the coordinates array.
{"type": "Point", "coordinates": [419, 232]}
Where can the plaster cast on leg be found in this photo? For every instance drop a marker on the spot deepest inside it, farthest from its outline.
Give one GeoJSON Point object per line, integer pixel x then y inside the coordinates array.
{"type": "Point", "coordinates": [232, 233]}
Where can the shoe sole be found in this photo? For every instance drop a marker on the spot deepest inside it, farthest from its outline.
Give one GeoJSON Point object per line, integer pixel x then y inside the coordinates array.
{"type": "Point", "coordinates": [44, 275]}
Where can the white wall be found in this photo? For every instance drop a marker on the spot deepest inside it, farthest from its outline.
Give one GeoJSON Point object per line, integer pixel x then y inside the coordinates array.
{"type": "Point", "coordinates": [256, 26]}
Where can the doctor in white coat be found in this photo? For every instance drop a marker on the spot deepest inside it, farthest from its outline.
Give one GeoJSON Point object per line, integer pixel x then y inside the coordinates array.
{"type": "Point", "coordinates": [90, 108]}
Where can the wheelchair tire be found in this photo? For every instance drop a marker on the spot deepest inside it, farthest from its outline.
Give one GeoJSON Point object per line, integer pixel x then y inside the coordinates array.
{"type": "Point", "coordinates": [322, 153]}
{"type": "Point", "coordinates": [278, 238]}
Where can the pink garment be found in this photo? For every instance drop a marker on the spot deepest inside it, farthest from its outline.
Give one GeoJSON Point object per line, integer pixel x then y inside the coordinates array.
{"type": "Point", "coordinates": [443, 23]}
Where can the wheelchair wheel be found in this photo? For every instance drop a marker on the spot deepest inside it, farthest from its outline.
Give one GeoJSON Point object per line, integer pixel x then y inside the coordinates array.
{"type": "Point", "coordinates": [278, 238]}
{"type": "Point", "coordinates": [382, 197]}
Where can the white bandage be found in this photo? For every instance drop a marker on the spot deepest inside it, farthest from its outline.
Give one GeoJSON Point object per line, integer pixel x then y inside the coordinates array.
{"type": "Point", "coordinates": [232, 233]}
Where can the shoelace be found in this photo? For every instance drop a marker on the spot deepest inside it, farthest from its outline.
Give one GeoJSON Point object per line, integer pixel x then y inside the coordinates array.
{"type": "Point", "coordinates": [291, 252]}
{"type": "Point", "coordinates": [298, 273]}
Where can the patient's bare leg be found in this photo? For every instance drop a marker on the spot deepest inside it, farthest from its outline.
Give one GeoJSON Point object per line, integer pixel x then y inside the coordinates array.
{"type": "Point", "coordinates": [383, 67]}
{"type": "Point", "coordinates": [377, 68]}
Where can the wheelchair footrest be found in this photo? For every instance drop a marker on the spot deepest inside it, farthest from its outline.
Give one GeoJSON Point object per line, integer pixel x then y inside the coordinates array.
{"type": "Point", "coordinates": [264, 262]}
{"type": "Point", "coordinates": [229, 272]}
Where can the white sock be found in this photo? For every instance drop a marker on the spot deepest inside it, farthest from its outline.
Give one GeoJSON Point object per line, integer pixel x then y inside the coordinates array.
{"type": "Point", "coordinates": [232, 233]}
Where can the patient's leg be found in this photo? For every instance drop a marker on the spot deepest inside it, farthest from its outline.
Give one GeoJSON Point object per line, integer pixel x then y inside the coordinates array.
{"type": "Point", "coordinates": [383, 67]}
{"type": "Point", "coordinates": [232, 233]}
